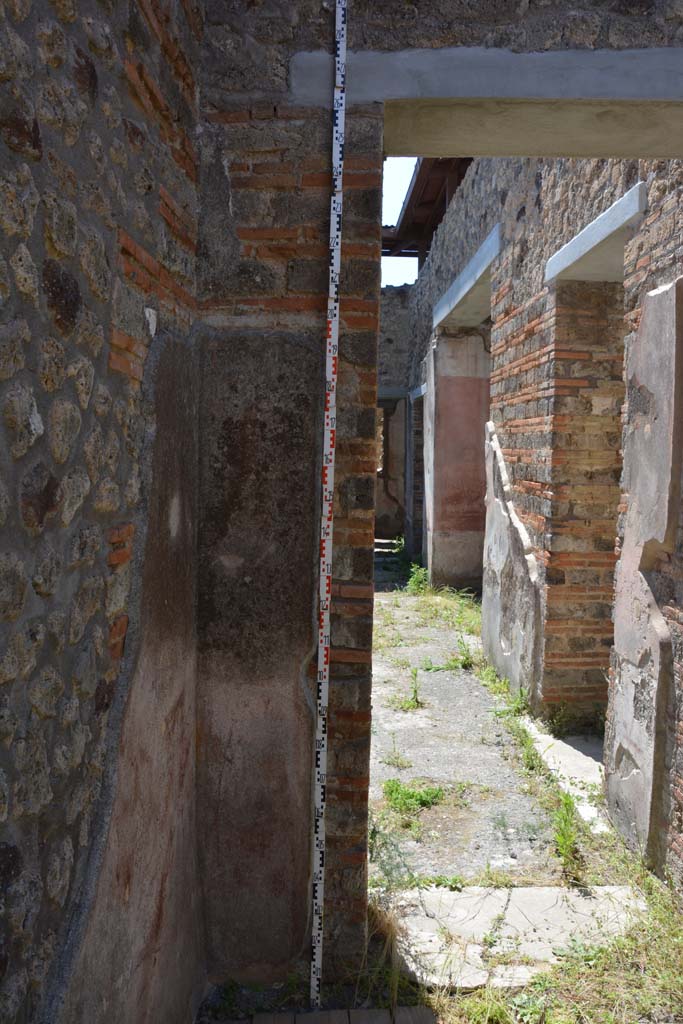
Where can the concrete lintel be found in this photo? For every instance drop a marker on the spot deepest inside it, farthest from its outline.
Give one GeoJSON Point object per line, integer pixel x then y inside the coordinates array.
{"type": "Point", "coordinates": [418, 392]}
{"type": "Point", "coordinates": [597, 252]}
{"type": "Point", "coordinates": [391, 394]}
{"type": "Point", "coordinates": [467, 302]}
{"type": "Point", "coordinates": [479, 72]}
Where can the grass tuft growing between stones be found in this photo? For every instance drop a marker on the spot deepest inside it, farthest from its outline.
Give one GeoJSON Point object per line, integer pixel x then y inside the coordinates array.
{"type": "Point", "coordinates": [408, 800]}
{"type": "Point", "coordinates": [413, 701]}
{"type": "Point", "coordinates": [458, 609]}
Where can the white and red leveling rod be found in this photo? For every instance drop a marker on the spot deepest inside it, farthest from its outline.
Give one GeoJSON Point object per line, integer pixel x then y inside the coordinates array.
{"type": "Point", "coordinates": [327, 511]}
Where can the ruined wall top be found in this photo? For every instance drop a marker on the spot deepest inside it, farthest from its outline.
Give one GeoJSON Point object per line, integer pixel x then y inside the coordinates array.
{"type": "Point", "coordinates": [248, 48]}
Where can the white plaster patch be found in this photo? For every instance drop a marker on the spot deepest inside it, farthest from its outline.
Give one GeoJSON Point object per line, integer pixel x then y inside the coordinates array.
{"type": "Point", "coordinates": [151, 317]}
{"type": "Point", "coordinates": [232, 563]}
{"type": "Point", "coordinates": [174, 516]}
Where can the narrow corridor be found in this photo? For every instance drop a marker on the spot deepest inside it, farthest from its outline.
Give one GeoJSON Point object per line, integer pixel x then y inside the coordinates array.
{"type": "Point", "coordinates": [469, 841]}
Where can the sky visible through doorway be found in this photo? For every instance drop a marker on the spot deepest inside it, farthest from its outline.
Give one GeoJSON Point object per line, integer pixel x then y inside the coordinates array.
{"type": "Point", "coordinates": [398, 170]}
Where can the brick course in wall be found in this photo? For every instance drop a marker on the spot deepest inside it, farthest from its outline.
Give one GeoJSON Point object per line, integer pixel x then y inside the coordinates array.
{"type": "Point", "coordinates": [277, 161]}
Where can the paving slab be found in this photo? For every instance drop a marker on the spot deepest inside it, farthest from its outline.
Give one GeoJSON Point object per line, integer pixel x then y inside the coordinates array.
{"type": "Point", "coordinates": [454, 938]}
{"type": "Point", "coordinates": [323, 1017]}
{"type": "Point", "coordinates": [369, 1016]}
{"type": "Point", "coordinates": [414, 1015]}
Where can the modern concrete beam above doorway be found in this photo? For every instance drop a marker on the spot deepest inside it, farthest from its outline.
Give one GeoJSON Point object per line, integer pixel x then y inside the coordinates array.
{"type": "Point", "coordinates": [476, 101]}
{"type": "Point", "coordinates": [467, 302]}
{"type": "Point", "coordinates": [477, 72]}
{"type": "Point", "coordinates": [597, 252]}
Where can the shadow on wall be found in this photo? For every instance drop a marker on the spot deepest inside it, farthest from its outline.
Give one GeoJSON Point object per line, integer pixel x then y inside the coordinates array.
{"type": "Point", "coordinates": [390, 489]}
{"type": "Point", "coordinates": [141, 954]}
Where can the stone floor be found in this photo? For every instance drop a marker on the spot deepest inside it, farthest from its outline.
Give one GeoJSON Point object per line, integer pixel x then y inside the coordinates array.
{"type": "Point", "coordinates": [455, 741]}
{"type": "Point", "coordinates": [401, 1015]}
{"type": "Point", "coordinates": [488, 827]}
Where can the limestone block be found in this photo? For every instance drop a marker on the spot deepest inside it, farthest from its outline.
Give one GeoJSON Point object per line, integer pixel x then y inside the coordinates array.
{"type": "Point", "coordinates": [22, 419]}
{"type": "Point", "coordinates": [85, 544]}
{"type": "Point", "coordinates": [25, 273]}
{"type": "Point", "coordinates": [18, 202]}
{"type": "Point", "coordinates": [61, 229]}
{"type": "Point", "coordinates": [32, 789]}
{"type": "Point", "coordinates": [73, 491]}
{"type": "Point", "coordinates": [83, 373]}
{"type": "Point", "coordinates": [47, 570]}
{"type": "Point", "coordinates": [21, 654]}
{"type": "Point", "coordinates": [59, 105]}
{"type": "Point", "coordinates": [90, 333]}
{"type": "Point", "coordinates": [39, 497]}
{"type": "Point", "coordinates": [4, 502]}
{"type": "Point", "coordinates": [52, 46]}
{"type": "Point", "coordinates": [56, 624]}
{"type": "Point", "coordinates": [69, 754]}
{"type": "Point", "coordinates": [108, 496]}
{"type": "Point", "coordinates": [95, 265]}
{"type": "Point", "coordinates": [93, 452]}
{"type": "Point", "coordinates": [100, 39]}
{"type": "Point", "coordinates": [8, 722]}
{"type": "Point", "coordinates": [64, 424]}
{"type": "Point", "coordinates": [85, 671]}
{"type": "Point", "coordinates": [44, 691]}
{"type": "Point", "coordinates": [59, 865]}
{"type": "Point", "coordinates": [13, 337]}
{"type": "Point", "coordinates": [19, 9]}
{"type": "Point", "coordinates": [102, 400]}
{"type": "Point", "coordinates": [118, 587]}
{"type": "Point", "coordinates": [5, 283]}
{"type": "Point", "coordinates": [641, 697]}
{"type": "Point", "coordinates": [51, 364]}
{"type": "Point", "coordinates": [15, 58]}
{"type": "Point", "coordinates": [86, 603]}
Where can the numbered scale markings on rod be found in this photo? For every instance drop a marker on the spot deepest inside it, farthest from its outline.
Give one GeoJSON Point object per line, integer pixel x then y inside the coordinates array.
{"type": "Point", "coordinates": [326, 520]}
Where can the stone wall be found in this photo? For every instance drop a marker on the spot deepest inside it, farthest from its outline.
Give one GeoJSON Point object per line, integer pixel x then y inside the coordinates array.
{"type": "Point", "coordinates": [654, 259]}
{"type": "Point", "coordinates": [107, 160]}
{"type": "Point", "coordinates": [396, 340]}
{"type": "Point", "coordinates": [97, 269]}
{"type": "Point", "coordinates": [557, 389]}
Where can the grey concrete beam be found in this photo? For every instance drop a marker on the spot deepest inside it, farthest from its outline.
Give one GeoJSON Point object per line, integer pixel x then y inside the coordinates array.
{"type": "Point", "coordinates": [475, 101]}
{"type": "Point", "coordinates": [418, 392]}
{"type": "Point", "coordinates": [391, 394]}
{"type": "Point", "coordinates": [479, 72]}
{"type": "Point", "coordinates": [597, 252]}
{"type": "Point", "coordinates": [467, 302]}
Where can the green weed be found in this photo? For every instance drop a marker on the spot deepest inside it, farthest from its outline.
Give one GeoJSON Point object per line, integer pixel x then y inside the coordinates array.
{"type": "Point", "coordinates": [413, 701]}
{"type": "Point", "coordinates": [566, 835]}
{"type": "Point", "coordinates": [418, 580]}
{"type": "Point", "coordinates": [395, 758]}
{"type": "Point", "coordinates": [407, 801]}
